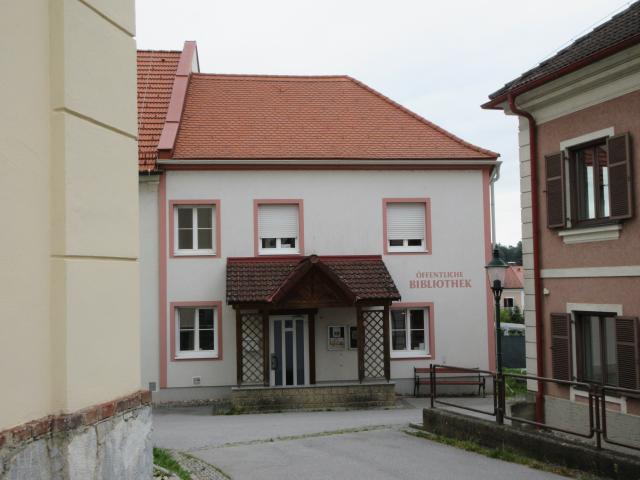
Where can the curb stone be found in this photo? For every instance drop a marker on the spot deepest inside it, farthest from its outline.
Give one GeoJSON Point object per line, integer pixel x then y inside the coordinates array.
{"type": "Point", "coordinates": [199, 469]}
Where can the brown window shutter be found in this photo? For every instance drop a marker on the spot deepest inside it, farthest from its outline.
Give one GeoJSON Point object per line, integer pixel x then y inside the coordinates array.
{"type": "Point", "coordinates": [554, 171]}
{"type": "Point", "coordinates": [627, 340]}
{"type": "Point", "coordinates": [561, 346]}
{"type": "Point", "coordinates": [620, 177]}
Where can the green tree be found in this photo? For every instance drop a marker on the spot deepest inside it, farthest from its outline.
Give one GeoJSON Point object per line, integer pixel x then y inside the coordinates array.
{"type": "Point", "coordinates": [516, 315]}
{"type": "Point", "coordinates": [511, 253]}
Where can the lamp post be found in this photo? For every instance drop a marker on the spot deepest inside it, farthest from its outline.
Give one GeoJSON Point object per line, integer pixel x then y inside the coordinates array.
{"type": "Point", "coordinates": [496, 271]}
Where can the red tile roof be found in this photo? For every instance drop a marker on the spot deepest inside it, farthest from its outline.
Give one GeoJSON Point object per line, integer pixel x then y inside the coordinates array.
{"type": "Point", "coordinates": [514, 277]}
{"type": "Point", "coordinates": [156, 72]}
{"type": "Point", "coordinates": [251, 280]}
{"type": "Point", "coordinates": [287, 117]}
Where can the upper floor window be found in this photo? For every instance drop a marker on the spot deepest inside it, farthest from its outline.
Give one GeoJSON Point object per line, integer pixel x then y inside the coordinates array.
{"type": "Point", "coordinates": [195, 229]}
{"type": "Point", "coordinates": [507, 302]}
{"type": "Point", "coordinates": [406, 226]}
{"type": "Point", "coordinates": [590, 181]}
{"type": "Point", "coordinates": [278, 228]}
{"type": "Point", "coordinates": [599, 182]}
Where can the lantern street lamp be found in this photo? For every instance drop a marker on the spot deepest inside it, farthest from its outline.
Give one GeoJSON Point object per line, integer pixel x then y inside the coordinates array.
{"type": "Point", "coordinates": [496, 271]}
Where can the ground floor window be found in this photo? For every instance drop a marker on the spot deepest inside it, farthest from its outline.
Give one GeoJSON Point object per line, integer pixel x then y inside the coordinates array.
{"type": "Point", "coordinates": [409, 332]}
{"type": "Point", "coordinates": [596, 348]}
{"type": "Point", "coordinates": [196, 332]}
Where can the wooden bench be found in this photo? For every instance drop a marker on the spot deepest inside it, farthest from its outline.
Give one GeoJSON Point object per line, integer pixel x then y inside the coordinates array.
{"type": "Point", "coordinates": [454, 377]}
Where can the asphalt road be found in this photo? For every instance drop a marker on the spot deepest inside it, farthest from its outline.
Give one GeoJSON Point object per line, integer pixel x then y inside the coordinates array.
{"type": "Point", "coordinates": [368, 445]}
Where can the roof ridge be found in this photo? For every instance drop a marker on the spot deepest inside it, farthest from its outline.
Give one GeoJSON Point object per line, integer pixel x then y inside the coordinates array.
{"type": "Point", "coordinates": [256, 76]}
{"type": "Point", "coordinates": [424, 120]}
{"type": "Point", "coordinates": [141, 50]}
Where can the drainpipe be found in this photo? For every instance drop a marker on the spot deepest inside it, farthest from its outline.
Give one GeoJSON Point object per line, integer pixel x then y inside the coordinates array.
{"type": "Point", "coordinates": [495, 176]}
{"type": "Point", "coordinates": [537, 290]}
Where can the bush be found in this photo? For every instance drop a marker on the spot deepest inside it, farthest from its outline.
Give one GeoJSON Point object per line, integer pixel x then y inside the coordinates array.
{"type": "Point", "coordinates": [516, 315]}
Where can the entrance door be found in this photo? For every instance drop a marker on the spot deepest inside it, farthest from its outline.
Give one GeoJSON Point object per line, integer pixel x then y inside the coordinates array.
{"type": "Point", "coordinates": [289, 350]}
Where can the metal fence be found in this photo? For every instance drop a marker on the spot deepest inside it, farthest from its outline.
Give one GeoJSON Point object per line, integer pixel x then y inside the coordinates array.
{"type": "Point", "coordinates": [596, 427]}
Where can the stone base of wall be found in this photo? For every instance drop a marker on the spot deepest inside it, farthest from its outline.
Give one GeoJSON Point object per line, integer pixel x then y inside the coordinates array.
{"type": "Point", "coordinates": [108, 441]}
{"type": "Point", "coordinates": [191, 396]}
{"type": "Point", "coordinates": [314, 397]}
{"type": "Point", "coordinates": [539, 445]}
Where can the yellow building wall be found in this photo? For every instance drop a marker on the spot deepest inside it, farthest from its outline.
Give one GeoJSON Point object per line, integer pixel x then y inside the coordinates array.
{"type": "Point", "coordinates": [69, 318]}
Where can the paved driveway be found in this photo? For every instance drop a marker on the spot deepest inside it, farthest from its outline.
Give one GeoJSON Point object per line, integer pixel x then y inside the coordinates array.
{"type": "Point", "coordinates": [368, 445]}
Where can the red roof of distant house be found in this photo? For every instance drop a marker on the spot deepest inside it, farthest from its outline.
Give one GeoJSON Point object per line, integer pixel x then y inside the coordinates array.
{"type": "Point", "coordinates": [514, 277]}
{"type": "Point", "coordinates": [287, 117]}
{"type": "Point", "coordinates": [251, 280]}
{"type": "Point", "coordinates": [156, 72]}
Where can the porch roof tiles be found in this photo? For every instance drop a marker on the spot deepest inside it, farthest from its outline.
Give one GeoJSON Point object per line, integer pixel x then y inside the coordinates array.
{"type": "Point", "coordinates": [256, 280]}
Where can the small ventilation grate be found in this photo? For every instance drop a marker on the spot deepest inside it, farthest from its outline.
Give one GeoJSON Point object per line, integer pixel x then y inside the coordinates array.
{"type": "Point", "coordinates": [195, 380]}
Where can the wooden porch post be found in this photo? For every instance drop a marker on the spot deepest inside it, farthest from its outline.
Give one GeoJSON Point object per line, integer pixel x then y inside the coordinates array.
{"type": "Point", "coordinates": [265, 347]}
{"type": "Point", "coordinates": [312, 347]}
{"type": "Point", "coordinates": [239, 346]}
{"type": "Point", "coordinates": [360, 343]}
{"type": "Point", "coordinates": [385, 335]}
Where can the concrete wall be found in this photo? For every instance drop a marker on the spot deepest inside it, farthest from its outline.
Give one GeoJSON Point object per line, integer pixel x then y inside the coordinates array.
{"type": "Point", "coordinates": [149, 280]}
{"type": "Point", "coordinates": [24, 196]}
{"type": "Point", "coordinates": [342, 216]}
{"type": "Point", "coordinates": [68, 198]}
{"type": "Point", "coordinates": [517, 295]}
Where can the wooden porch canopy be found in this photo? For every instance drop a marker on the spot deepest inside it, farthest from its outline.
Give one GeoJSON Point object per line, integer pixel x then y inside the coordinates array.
{"type": "Point", "coordinates": [259, 287]}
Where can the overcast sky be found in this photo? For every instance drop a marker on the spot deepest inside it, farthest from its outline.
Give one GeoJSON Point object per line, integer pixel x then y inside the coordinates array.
{"type": "Point", "coordinates": [438, 58]}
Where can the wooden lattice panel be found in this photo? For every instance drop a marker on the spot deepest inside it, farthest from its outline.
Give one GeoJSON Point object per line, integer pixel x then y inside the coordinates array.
{"type": "Point", "coordinates": [373, 343]}
{"type": "Point", "coordinates": [252, 349]}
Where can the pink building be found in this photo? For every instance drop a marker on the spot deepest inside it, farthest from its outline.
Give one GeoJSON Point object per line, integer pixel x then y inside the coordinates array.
{"type": "Point", "coordinates": [579, 114]}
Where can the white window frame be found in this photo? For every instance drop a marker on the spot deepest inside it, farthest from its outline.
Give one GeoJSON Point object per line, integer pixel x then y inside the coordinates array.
{"type": "Point", "coordinates": [408, 352]}
{"type": "Point", "coordinates": [177, 251]}
{"type": "Point", "coordinates": [405, 247]}
{"type": "Point", "coordinates": [278, 249]}
{"type": "Point", "coordinates": [196, 352]}
{"type": "Point", "coordinates": [513, 302]}
{"type": "Point", "coordinates": [572, 309]}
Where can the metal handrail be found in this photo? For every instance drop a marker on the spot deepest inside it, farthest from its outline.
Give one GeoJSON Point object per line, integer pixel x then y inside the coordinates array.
{"type": "Point", "coordinates": [433, 387]}
{"type": "Point", "coordinates": [596, 395]}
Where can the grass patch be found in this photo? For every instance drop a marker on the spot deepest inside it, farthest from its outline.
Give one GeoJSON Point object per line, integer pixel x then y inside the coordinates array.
{"type": "Point", "coordinates": [163, 458]}
{"type": "Point", "coordinates": [504, 454]}
{"type": "Point", "coordinates": [515, 386]}
{"type": "Point", "coordinates": [234, 410]}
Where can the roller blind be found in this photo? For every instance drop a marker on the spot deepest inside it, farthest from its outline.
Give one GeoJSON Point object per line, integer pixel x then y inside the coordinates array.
{"type": "Point", "coordinates": [277, 221]}
{"type": "Point", "coordinates": [405, 221]}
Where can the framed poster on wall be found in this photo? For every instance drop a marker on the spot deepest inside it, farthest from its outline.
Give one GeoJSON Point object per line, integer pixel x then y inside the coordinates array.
{"type": "Point", "coordinates": [336, 337]}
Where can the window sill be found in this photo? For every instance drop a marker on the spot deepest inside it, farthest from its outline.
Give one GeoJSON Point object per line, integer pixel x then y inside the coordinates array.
{"type": "Point", "coordinates": [590, 234]}
{"type": "Point", "coordinates": [579, 392]}
{"type": "Point", "coordinates": [278, 252]}
{"type": "Point", "coordinates": [417, 357]}
{"type": "Point", "coordinates": [196, 356]}
{"type": "Point", "coordinates": [407, 252]}
{"type": "Point", "coordinates": [193, 253]}
{"type": "Point", "coordinates": [409, 355]}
